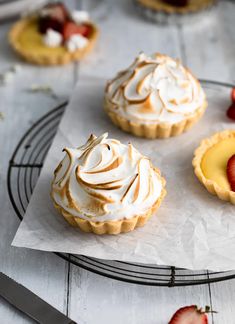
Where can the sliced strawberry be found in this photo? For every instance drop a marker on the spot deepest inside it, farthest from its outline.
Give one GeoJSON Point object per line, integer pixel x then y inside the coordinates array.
{"type": "Point", "coordinates": [233, 95]}
{"type": "Point", "coordinates": [70, 28]}
{"type": "Point", "coordinates": [190, 314]}
{"type": "Point", "coordinates": [231, 111]}
{"type": "Point", "coordinates": [231, 172]}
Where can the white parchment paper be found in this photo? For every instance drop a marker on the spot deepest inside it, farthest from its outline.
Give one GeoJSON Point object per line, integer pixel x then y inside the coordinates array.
{"type": "Point", "coordinates": [192, 229]}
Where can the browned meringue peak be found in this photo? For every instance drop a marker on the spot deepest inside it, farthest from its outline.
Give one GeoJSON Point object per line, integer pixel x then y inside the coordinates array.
{"type": "Point", "coordinates": [105, 179]}
{"type": "Point", "coordinates": [155, 88]}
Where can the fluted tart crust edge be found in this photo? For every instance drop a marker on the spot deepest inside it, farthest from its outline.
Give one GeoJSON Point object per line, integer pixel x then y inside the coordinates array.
{"type": "Point", "coordinates": [152, 131]}
{"type": "Point", "coordinates": [114, 227]}
{"type": "Point", "coordinates": [211, 185]}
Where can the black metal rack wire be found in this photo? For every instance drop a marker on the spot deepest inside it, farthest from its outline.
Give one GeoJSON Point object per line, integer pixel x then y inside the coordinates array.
{"type": "Point", "coordinates": [24, 169]}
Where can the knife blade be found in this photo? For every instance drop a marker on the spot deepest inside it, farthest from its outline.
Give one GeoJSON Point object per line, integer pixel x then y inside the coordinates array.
{"type": "Point", "coordinates": [29, 303]}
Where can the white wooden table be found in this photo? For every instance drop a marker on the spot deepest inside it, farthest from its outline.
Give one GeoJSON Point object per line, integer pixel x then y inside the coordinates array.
{"type": "Point", "coordinates": [208, 48]}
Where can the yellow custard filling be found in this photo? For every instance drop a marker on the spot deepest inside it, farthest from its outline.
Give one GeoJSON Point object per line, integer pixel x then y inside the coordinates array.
{"type": "Point", "coordinates": [215, 159]}
{"type": "Point", "coordinates": [31, 40]}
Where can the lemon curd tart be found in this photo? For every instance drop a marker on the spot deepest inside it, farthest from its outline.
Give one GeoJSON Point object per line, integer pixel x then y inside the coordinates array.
{"type": "Point", "coordinates": [180, 7]}
{"type": "Point", "coordinates": [52, 36]}
{"type": "Point", "coordinates": [174, 11]}
{"type": "Point", "coordinates": [211, 164]}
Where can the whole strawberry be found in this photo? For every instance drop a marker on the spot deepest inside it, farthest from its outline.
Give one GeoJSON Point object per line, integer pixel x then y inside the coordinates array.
{"type": "Point", "coordinates": [231, 109]}
{"type": "Point", "coordinates": [46, 23]}
{"type": "Point", "coordinates": [53, 16]}
{"type": "Point", "coordinates": [57, 11]}
{"type": "Point", "coordinates": [177, 3]}
{"type": "Point", "coordinates": [190, 315]}
{"type": "Point", "coordinates": [231, 172]}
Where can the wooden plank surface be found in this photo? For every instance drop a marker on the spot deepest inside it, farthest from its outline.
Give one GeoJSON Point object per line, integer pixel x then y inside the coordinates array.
{"type": "Point", "coordinates": [208, 48]}
{"type": "Point", "coordinates": [44, 273]}
{"type": "Point", "coordinates": [210, 52]}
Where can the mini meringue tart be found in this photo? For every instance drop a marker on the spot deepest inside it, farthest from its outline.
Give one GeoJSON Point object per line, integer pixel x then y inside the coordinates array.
{"type": "Point", "coordinates": [210, 164]}
{"type": "Point", "coordinates": [106, 187]}
{"type": "Point", "coordinates": [37, 48]}
{"type": "Point", "coordinates": [156, 97]}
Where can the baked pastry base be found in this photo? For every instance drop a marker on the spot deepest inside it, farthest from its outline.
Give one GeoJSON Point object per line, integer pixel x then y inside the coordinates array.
{"type": "Point", "coordinates": [51, 58]}
{"type": "Point", "coordinates": [152, 131]}
{"type": "Point", "coordinates": [210, 185]}
{"type": "Point", "coordinates": [113, 227]}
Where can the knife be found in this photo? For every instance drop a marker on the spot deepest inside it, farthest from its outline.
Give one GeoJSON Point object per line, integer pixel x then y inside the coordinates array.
{"type": "Point", "coordinates": [29, 303]}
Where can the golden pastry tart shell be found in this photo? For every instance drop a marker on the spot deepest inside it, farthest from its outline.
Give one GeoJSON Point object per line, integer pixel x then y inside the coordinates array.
{"type": "Point", "coordinates": [159, 5]}
{"type": "Point", "coordinates": [211, 185]}
{"type": "Point", "coordinates": [48, 59]}
{"type": "Point", "coordinates": [113, 227]}
{"type": "Point", "coordinates": [159, 130]}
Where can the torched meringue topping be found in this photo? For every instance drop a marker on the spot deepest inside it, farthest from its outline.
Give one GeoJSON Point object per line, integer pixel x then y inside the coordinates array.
{"type": "Point", "coordinates": [105, 180]}
{"type": "Point", "coordinates": [155, 89]}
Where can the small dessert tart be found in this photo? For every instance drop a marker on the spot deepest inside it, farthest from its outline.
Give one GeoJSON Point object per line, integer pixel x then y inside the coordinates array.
{"type": "Point", "coordinates": [106, 187]}
{"type": "Point", "coordinates": [164, 11]}
{"type": "Point", "coordinates": [156, 97]}
{"type": "Point", "coordinates": [214, 164]}
{"type": "Point", "coordinates": [53, 35]}
{"type": "Point", "coordinates": [176, 6]}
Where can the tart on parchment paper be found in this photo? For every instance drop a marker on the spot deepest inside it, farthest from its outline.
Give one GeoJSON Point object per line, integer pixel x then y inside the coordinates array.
{"type": "Point", "coordinates": [211, 164]}
{"type": "Point", "coordinates": [106, 187]}
{"type": "Point", "coordinates": [156, 97]}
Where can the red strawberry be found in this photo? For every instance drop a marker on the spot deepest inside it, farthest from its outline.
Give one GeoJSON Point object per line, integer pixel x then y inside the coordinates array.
{"type": "Point", "coordinates": [56, 11]}
{"type": "Point", "coordinates": [46, 23]}
{"type": "Point", "coordinates": [190, 314]}
{"type": "Point", "coordinates": [231, 172]}
{"type": "Point", "coordinates": [177, 3]}
{"type": "Point", "coordinates": [70, 28]}
{"type": "Point", "coordinates": [233, 95]}
{"type": "Point", "coordinates": [53, 16]}
{"type": "Point", "coordinates": [231, 111]}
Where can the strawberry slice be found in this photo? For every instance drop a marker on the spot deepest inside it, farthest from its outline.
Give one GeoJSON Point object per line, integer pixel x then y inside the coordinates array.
{"type": "Point", "coordinates": [233, 95]}
{"type": "Point", "coordinates": [70, 28]}
{"type": "Point", "coordinates": [190, 314]}
{"type": "Point", "coordinates": [231, 111]}
{"type": "Point", "coordinates": [231, 172]}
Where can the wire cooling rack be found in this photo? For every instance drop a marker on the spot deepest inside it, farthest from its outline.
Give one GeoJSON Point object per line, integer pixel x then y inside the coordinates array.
{"type": "Point", "coordinates": [23, 172]}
